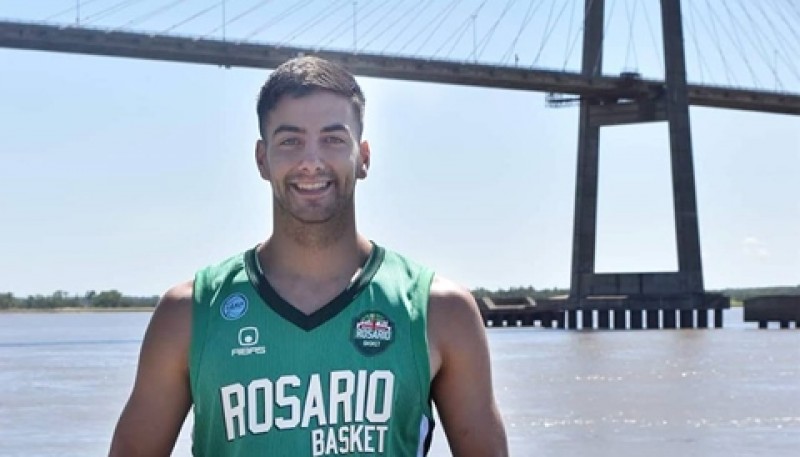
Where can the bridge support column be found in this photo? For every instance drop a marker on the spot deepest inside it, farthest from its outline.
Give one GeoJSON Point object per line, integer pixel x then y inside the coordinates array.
{"type": "Point", "coordinates": [603, 319]}
{"type": "Point", "coordinates": [652, 319]}
{"type": "Point", "coordinates": [687, 318]}
{"type": "Point", "coordinates": [669, 318]}
{"type": "Point", "coordinates": [702, 318]}
{"type": "Point", "coordinates": [572, 319]}
{"type": "Point", "coordinates": [587, 319]}
{"type": "Point", "coordinates": [620, 322]}
{"type": "Point", "coordinates": [636, 319]}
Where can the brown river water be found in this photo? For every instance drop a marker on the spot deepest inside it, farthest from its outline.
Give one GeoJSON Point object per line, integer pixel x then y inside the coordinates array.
{"type": "Point", "coordinates": [64, 378]}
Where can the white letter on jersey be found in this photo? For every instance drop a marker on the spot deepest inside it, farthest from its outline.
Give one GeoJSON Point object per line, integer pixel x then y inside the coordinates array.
{"type": "Point", "coordinates": [283, 400]}
{"type": "Point", "coordinates": [361, 394]}
{"type": "Point", "coordinates": [315, 403]}
{"type": "Point", "coordinates": [387, 379]}
{"type": "Point", "coordinates": [263, 386]}
{"type": "Point", "coordinates": [232, 412]}
{"type": "Point", "coordinates": [343, 397]}
{"type": "Point", "coordinates": [317, 442]}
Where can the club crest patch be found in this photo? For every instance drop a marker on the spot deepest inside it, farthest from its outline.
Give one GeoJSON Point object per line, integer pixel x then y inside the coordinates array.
{"type": "Point", "coordinates": [372, 333]}
{"type": "Point", "coordinates": [234, 307]}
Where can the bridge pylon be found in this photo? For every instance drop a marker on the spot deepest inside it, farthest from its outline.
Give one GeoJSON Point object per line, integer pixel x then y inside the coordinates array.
{"type": "Point", "coordinates": [648, 299]}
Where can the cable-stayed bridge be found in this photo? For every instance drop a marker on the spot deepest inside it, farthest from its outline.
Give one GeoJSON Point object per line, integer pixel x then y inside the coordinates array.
{"type": "Point", "coordinates": [608, 56]}
{"type": "Point", "coordinates": [740, 55]}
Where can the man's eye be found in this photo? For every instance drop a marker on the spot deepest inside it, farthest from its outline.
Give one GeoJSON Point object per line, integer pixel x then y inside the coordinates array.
{"type": "Point", "coordinates": [333, 140]}
{"type": "Point", "coordinates": [289, 142]}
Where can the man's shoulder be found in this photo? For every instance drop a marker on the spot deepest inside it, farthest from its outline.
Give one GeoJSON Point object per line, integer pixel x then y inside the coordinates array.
{"type": "Point", "coordinates": [451, 296]}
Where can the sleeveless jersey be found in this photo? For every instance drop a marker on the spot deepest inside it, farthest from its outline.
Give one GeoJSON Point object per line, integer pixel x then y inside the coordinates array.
{"type": "Point", "coordinates": [352, 378]}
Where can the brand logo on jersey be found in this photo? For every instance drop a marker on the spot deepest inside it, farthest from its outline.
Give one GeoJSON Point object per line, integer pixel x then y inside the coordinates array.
{"type": "Point", "coordinates": [248, 338]}
{"type": "Point", "coordinates": [372, 333]}
{"type": "Point", "coordinates": [234, 307]}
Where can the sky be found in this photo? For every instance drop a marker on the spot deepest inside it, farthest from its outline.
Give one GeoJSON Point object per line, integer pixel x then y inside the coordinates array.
{"type": "Point", "coordinates": [131, 175]}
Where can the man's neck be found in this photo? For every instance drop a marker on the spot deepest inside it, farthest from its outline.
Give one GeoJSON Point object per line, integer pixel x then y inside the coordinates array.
{"type": "Point", "coordinates": [284, 256]}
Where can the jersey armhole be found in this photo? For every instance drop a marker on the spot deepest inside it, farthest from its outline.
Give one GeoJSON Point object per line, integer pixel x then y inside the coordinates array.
{"type": "Point", "coordinates": [200, 320]}
{"type": "Point", "coordinates": [420, 343]}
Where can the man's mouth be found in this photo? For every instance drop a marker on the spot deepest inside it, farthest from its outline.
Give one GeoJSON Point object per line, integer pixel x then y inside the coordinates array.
{"type": "Point", "coordinates": [311, 187]}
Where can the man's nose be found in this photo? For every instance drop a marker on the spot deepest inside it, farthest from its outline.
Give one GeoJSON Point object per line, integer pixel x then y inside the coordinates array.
{"type": "Point", "coordinates": [311, 159]}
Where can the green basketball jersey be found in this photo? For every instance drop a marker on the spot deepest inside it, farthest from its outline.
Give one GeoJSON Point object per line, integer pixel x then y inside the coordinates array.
{"type": "Point", "coordinates": [350, 379]}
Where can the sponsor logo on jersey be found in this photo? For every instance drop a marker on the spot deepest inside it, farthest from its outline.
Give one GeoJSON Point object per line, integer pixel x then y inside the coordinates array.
{"type": "Point", "coordinates": [372, 333]}
{"type": "Point", "coordinates": [248, 339]}
{"type": "Point", "coordinates": [233, 307]}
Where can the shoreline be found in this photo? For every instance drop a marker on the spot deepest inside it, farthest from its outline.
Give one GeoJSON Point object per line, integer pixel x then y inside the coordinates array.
{"type": "Point", "coordinates": [137, 309]}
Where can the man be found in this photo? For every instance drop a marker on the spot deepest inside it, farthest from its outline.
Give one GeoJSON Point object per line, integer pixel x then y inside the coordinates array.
{"type": "Point", "coordinates": [317, 341]}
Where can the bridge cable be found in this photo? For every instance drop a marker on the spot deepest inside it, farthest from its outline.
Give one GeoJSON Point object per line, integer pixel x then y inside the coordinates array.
{"type": "Point", "coordinates": [189, 19]}
{"type": "Point", "coordinates": [437, 18]}
{"type": "Point", "coordinates": [631, 43]}
{"type": "Point", "coordinates": [484, 42]}
{"type": "Point", "coordinates": [311, 22]}
{"type": "Point", "coordinates": [597, 68]}
{"type": "Point", "coordinates": [150, 15]}
{"type": "Point", "coordinates": [756, 43]}
{"type": "Point", "coordinates": [570, 42]}
{"type": "Point", "coordinates": [343, 26]}
{"type": "Point", "coordinates": [791, 28]}
{"type": "Point", "coordinates": [300, 4]}
{"type": "Point", "coordinates": [658, 49]}
{"type": "Point", "coordinates": [109, 11]}
{"type": "Point", "coordinates": [68, 10]}
{"type": "Point", "coordinates": [781, 39]}
{"type": "Point", "coordinates": [701, 61]}
{"type": "Point", "coordinates": [716, 42]}
{"type": "Point", "coordinates": [444, 16]}
{"type": "Point", "coordinates": [471, 18]}
{"type": "Point", "coordinates": [455, 36]}
{"type": "Point", "coordinates": [382, 20]}
{"type": "Point", "coordinates": [548, 31]}
{"type": "Point", "coordinates": [523, 26]}
{"type": "Point", "coordinates": [407, 25]}
{"type": "Point", "coordinates": [579, 33]}
{"type": "Point", "coordinates": [740, 48]}
{"type": "Point", "coordinates": [236, 18]}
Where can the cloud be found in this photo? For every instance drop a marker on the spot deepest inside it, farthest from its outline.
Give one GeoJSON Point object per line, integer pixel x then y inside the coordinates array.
{"type": "Point", "coordinates": [753, 247]}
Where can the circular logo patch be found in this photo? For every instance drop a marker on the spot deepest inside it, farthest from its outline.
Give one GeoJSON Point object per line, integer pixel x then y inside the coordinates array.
{"type": "Point", "coordinates": [234, 307]}
{"type": "Point", "coordinates": [372, 333]}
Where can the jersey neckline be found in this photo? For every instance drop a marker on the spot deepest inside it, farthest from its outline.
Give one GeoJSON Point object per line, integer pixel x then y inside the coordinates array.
{"type": "Point", "coordinates": [311, 321]}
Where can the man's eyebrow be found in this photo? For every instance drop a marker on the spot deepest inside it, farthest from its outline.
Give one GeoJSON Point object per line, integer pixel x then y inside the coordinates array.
{"type": "Point", "coordinates": [334, 128]}
{"type": "Point", "coordinates": [287, 128]}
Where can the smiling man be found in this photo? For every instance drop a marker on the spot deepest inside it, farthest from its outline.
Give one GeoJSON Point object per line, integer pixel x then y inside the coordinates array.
{"type": "Point", "coordinates": [317, 341]}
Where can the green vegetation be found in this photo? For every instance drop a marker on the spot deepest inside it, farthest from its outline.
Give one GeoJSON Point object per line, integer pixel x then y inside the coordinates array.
{"type": "Point", "coordinates": [112, 299]}
{"type": "Point", "coordinates": [109, 299]}
{"type": "Point", "coordinates": [737, 296]}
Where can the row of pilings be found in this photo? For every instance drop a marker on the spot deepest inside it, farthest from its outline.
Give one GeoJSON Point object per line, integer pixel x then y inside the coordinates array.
{"type": "Point", "coordinates": [617, 313]}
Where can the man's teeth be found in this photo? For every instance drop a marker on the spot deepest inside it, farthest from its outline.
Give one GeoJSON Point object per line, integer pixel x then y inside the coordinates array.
{"type": "Point", "coordinates": [312, 186]}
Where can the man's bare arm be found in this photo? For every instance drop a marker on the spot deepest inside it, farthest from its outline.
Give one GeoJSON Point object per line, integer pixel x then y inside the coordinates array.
{"type": "Point", "coordinates": [462, 383]}
{"type": "Point", "coordinates": [161, 397]}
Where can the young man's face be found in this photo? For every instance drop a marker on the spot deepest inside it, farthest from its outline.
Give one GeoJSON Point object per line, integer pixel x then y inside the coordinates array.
{"type": "Point", "coordinates": [312, 156]}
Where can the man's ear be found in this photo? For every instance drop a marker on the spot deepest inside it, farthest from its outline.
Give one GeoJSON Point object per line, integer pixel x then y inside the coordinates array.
{"type": "Point", "coordinates": [261, 159]}
{"type": "Point", "coordinates": [363, 155]}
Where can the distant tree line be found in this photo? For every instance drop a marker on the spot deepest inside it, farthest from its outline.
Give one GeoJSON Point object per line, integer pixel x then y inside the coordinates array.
{"type": "Point", "coordinates": [61, 300]}
{"type": "Point", "coordinates": [737, 295]}
{"type": "Point", "coordinates": [114, 299]}
{"type": "Point", "coordinates": [520, 291]}
{"type": "Point", "coordinates": [745, 293]}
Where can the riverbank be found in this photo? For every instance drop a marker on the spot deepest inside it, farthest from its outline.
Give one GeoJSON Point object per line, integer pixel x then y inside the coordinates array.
{"type": "Point", "coordinates": [78, 310]}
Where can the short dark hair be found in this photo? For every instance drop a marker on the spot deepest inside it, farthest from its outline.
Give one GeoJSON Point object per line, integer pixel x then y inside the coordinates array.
{"type": "Point", "coordinates": [301, 76]}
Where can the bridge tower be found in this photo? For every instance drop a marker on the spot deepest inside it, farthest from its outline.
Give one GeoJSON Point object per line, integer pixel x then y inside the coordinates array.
{"type": "Point", "coordinates": [636, 299]}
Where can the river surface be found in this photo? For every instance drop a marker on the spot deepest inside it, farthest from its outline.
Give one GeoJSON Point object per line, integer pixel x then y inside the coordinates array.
{"type": "Point", "coordinates": [64, 378]}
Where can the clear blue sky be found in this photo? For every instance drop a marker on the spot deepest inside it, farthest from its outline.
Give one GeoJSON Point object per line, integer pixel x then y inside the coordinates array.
{"type": "Point", "coordinates": [130, 175]}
